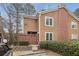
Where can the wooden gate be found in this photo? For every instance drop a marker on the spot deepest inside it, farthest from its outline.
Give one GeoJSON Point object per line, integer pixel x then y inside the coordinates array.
{"type": "Point", "coordinates": [31, 38]}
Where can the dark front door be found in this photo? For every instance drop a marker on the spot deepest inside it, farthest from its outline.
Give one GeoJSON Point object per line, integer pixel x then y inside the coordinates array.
{"type": "Point", "coordinates": [32, 32]}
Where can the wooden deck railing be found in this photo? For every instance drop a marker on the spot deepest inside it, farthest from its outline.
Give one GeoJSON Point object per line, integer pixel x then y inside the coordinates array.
{"type": "Point", "coordinates": [31, 38]}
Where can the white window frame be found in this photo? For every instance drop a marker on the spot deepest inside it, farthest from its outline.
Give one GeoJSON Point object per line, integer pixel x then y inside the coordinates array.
{"type": "Point", "coordinates": [74, 36]}
{"type": "Point", "coordinates": [49, 36]}
{"type": "Point", "coordinates": [49, 20]}
{"type": "Point", "coordinates": [74, 23]}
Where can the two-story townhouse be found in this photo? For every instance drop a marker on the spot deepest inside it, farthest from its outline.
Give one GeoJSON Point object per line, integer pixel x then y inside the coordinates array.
{"type": "Point", "coordinates": [54, 24]}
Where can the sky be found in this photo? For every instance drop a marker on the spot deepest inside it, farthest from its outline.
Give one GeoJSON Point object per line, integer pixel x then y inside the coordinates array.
{"type": "Point", "coordinates": [40, 6]}
{"type": "Point", "coordinates": [70, 6]}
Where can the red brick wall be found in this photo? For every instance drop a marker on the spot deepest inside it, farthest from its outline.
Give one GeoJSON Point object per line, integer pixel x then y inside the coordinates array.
{"type": "Point", "coordinates": [62, 29]}
{"type": "Point", "coordinates": [30, 25]}
{"type": "Point", "coordinates": [63, 24]}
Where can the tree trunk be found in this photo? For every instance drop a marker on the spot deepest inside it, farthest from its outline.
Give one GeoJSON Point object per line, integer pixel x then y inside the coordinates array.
{"type": "Point", "coordinates": [1, 30]}
{"type": "Point", "coordinates": [17, 27]}
{"type": "Point", "coordinates": [10, 31]}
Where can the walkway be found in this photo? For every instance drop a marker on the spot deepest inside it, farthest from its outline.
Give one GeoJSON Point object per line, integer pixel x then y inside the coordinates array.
{"type": "Point", "coordinates": [35, 53]}
{"type": "Point", "coordinates": [27, 51]}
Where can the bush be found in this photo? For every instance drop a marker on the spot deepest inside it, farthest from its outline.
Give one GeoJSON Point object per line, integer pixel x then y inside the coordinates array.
{"type": "Point", "coordinates": [21, 43]}
{"type": "Point", "coordinates": [67, 48]}
{"type": "Point", "coordinates": [43, 45]}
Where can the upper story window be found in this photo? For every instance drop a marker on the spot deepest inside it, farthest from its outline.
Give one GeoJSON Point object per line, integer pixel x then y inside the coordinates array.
{"type": "Point", "coordinates": [74, 25]}
{"type": "Point", "coordinates": [49, 21]}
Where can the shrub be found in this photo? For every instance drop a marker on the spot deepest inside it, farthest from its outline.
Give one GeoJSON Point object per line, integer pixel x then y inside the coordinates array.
{"type": "Point", "coordinates": [21, 43]}
{"type": "Point", "coordinates": [66, 48]}
{"type": "Point", "coordinates": [43, 45]}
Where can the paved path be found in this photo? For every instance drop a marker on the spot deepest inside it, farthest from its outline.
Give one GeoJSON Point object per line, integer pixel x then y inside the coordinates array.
{"type": "Point", "coordinates": [27, 51]}
{"type": "Point", "coordinates": [51, 53]}
{"type": "Point", "coordinates": [35, 53]}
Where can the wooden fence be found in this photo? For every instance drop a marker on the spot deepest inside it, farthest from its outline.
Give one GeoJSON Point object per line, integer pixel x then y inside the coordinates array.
{"type": "Point", "coordinates": [31, 38]}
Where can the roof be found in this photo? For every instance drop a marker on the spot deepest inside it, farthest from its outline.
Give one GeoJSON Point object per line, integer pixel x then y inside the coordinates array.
{"type": "Point", "coordinates": [47, 11]}
{"type": "Point", "coordinates": [72, 14]}
{"type": "Point", "coordinates": [30, 17]}
{"type": "Point", "coordinates": [50, 10]}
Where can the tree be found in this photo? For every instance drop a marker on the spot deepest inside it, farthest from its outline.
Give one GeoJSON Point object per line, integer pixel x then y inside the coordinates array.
{"type": "Point", "coordinates": [1, 30]}
{"type": "Point", "coordinates": [29, 9]}
{"type": "Point", "coordinates": [8, 21]}
{"type": "Point", "coordinates": [15, 11]}
{"type": "Point", "coordinates": [26, 9]}
{"type": "Point", "coordinates": [76, 12]}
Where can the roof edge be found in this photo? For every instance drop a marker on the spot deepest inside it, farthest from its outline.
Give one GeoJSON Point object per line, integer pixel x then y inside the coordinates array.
{"type": "Point", "coordinates": [30, 17]}
{"type": "Point", "coordinates": [50, 10]}
{"type": "Point", "coordinates": [72, 14]}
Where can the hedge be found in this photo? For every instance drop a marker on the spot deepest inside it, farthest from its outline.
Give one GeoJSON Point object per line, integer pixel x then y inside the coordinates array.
{"type": "Point", "coordinates": [21, 43]}
{"type": "Point", "coordinates": [67, 48]}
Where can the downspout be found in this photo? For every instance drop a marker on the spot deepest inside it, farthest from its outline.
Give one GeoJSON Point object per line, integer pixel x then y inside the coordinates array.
{"type": "Point", "coordinates": [22, 24]}
{"type": "Point", "coordinates": [58, 29]}
{"type": "Point", "coordinates": [39, 27]}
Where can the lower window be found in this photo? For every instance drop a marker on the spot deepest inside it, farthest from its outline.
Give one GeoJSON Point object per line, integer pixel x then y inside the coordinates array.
{"type": "Point", "coordinates": [49, 36]}
{"type": "Point", "coordinates": [74, 36]}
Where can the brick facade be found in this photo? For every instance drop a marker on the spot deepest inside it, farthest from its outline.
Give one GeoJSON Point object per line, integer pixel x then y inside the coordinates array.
{"type": "Point", "coordinates": [62, 24]}
{"type": "Point", "coordinates": [31, 24]}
